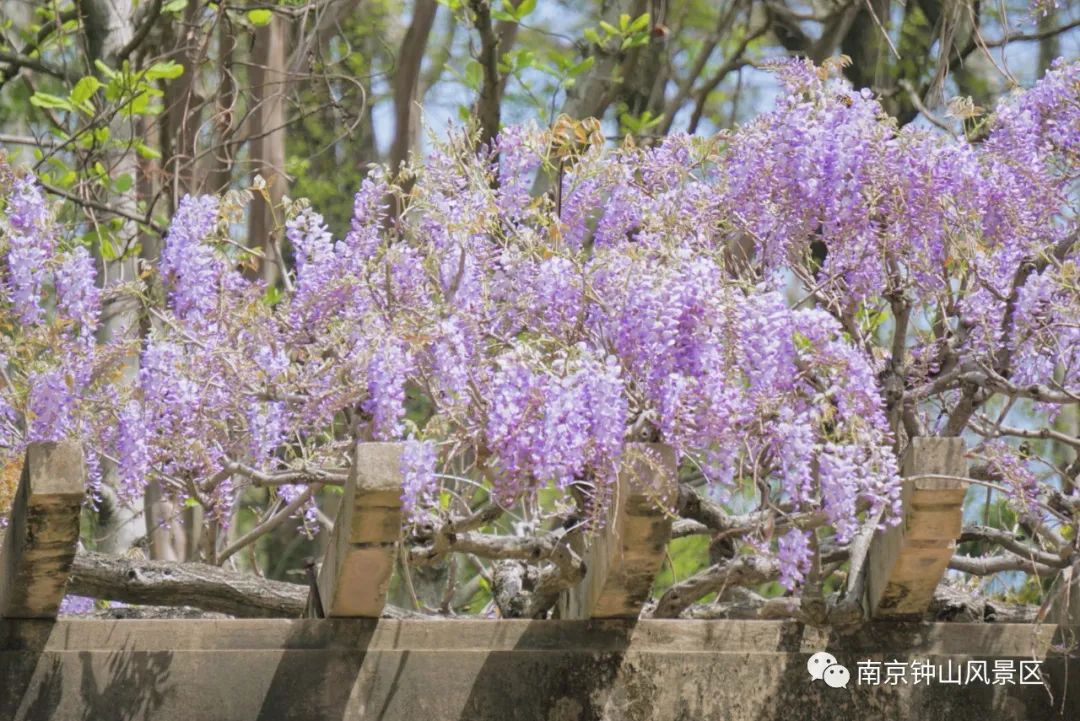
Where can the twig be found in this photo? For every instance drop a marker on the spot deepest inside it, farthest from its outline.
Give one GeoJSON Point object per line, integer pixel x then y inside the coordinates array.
{"type": "Point", "coordinates": [119, 212]}
{"type": "Point", "coordinates": [270, 523]}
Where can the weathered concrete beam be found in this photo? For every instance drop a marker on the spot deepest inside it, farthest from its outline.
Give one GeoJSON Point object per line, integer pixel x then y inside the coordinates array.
{"type": "Point", "coordinates": [623, 558]}
{"type": "Point", "coordinates": [907, 561]}
{"type": "Point", "coordinates": [43, 532]}
{"type": "Point", "coordinates": [484, 670]}
{"type": "Point", "coordinates": [355, 574]}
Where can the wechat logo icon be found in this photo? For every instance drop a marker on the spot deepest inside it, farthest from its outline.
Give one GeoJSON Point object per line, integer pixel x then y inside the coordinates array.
{"type": "Point", "coordinates": [823, 667]}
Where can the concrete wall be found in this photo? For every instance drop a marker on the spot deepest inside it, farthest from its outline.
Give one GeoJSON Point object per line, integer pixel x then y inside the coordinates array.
{"type": "Point", "coordinates": [204, 670]}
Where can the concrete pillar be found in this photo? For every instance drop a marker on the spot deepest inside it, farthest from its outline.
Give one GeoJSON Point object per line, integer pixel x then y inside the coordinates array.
{"type": "Point", "coordinates": [623, 558]}
{"type": "Point", "coordinates": [355, 575]}
{"type": "Point", "coordinates": [907, 561]}
{"type": "Point", "coordinates": [43, 532]}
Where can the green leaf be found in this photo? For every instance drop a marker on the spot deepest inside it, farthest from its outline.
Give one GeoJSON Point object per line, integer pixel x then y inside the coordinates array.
{"type": "Point", "coordinates": [525, 8]}
{"type": "Point", "coordinates": [123, 183]}
{"type": "Point", "coordinates": [640, 23]}
{"type": "Point", "coordinates": [581, 67]}
{"type": "Point", "coordinates": [45, 100]}
{"type": "Point", "coordinates": [84, 89]}
{"type": "Point", "coordinates": [108, 251]}
{"type": "Point", "coordinates": [105, 69]}
{"type": "Point", "coordinates": [169, 70]}
{"type": "Point", "coordinates": [141, 103]}
{"type": "Point", "coordinates": [503, 16]}
{"type": "Point", "coordinates": [592, 36]}
{"type": "Point", "coordinates": [114, 90]}
{"type": "Point", "coordinates": [174, 6]}
{"type": "Point", "coordinates": [145, 151]}
{"type": "Point", "coordinates": [258, 18]}
{"type": "Point", "coordinates": [272, 296]}
{"type": "Point", "coordinates": [474, 75]}
{"type": "Point", "coordinates": [609, 28]}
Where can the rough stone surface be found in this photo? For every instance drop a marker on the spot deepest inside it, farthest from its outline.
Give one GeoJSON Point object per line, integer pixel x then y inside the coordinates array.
{"type": "Point", "coordinates": [40, 542]}
{"type": "Point", "coordinates": [355, 574]}
{"type": "Point", "coordinates": [907, 561]}
{"type": "Point", "coordinates": [622, 560]}
{"type": "Point", "coordinates": [478, 670]}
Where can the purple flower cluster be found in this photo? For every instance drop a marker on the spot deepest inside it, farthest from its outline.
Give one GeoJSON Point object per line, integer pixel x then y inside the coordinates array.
{"type": "Point", "coordinates": [735, 300]}
{"type": "Point", "coordinates": [793, 552]}
{"type": "Point", "coordinates": [191, 269]}
{"type": "Point", "coordinates": [554, 424]}
{"type": "Point", "coordinates": [49, 406]}
{"type": "Point", "coordinates": [77, 295]}
{"type": "Point", "coordinates": [418, 461]}
{"type": "Point", "coordinates": [387, 374]}
{"type": "Point", "coordinates": [132, 450]}
{"type": "Point", "coordinates": [31, 243]}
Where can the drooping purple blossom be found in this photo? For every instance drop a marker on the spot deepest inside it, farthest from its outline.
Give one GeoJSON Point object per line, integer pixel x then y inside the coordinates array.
{"type": "Point", "coordinates": [31, 242]}
{"type": "Point", "coordinates": [387, 375]}
{"type": "Point", "coordinates": [418, 485]}
{"type": "Point", "coordinates": [793, 552]}
{"type": "Point", "coordinates": [49, 407]}
{"type": "Point", "coordinates": [78, 297]}
{"type": "Point", "coordinates": [549, 427]}
{"type": "Point", "coordinates": [132, 449]}
{"type": "Point", "coordinates": [192, 271]}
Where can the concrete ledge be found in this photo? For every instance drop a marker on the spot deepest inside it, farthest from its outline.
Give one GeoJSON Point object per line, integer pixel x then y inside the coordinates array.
{"type": "Point", "coordinates": [485, 670]}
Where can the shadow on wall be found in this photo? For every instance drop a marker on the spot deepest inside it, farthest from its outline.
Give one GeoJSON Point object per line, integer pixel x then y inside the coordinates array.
{"type": "Point", "coordinates": [29, 687]}
{"type": "Point", "coordinates": [464, 670]}
{"type": "Point", "coordinates": [558, 671]}
{"type": "Point", "coordinates": [483, 670]}
{"type": "Point", "coordinates": [796, 695]}
{"type": "Point", "coordinates": [123, 684]}
{"type": "Point", "coordinates": [318, 670]}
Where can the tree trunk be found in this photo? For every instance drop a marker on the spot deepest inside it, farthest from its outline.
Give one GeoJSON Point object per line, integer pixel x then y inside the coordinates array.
{"type": "Point", "coordinates": [407, 82]}
{"type": "Point", "coordinates": [267, 146]}
{"type": "Point", "coordinates": [108, 27]}
{"type": "Point", "coordinates": [594, 92]}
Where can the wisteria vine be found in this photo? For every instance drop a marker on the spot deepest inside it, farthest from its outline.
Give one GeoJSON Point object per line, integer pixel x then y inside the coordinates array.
{"type": "Point", "coordinates": [784, 304]}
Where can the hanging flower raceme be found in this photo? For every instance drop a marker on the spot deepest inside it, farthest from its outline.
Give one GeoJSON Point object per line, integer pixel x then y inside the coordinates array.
{"type": "Point", "coordinates": [50, 308]}
{"type": "Point", "coordinates": [733, 297]}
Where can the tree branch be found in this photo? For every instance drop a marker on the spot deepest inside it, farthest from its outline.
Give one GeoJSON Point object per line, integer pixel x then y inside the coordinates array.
{"type": "Point", "coordinates": [1013, 545]}
{"type": "Point", "coordinates": [149, 18]}
{"type": "Point", "coordinates": [102, 207]}
{"type": "Point", "coordinates": [741, 571]}
{"type": "Point", "coordinates": [270, 523]}
{"type": "Point", "coordinates": [160, 583]}
{"type": "Point", "coordinates": [19, 60]}
{"type": "Point", "coordinates": [488, 104]}
{"type": "Point", "coordinates": [988, 565]}
{"type": "Point", "coordinates": [191, 585]}
{"type": "Point", "coordinates": [406, 81]}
